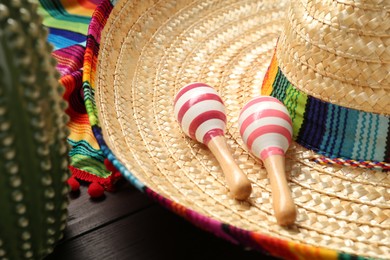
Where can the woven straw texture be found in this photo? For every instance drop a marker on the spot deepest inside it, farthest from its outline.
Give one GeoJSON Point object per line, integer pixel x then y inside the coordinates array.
{"type": "Point", "coordinates": [339, 52]}
{"type": "Point", "coordinates": [149, 50]}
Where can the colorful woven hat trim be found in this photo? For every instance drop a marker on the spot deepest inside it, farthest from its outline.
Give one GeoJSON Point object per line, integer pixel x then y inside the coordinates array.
{"type": "Point", "coordinates": [346, 136]}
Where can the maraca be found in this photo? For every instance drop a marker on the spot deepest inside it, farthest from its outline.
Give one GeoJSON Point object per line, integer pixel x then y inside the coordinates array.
{"type": "Point", "coordinates": [201, 114]}
{"type": "Point", "coordinates": [266, 128]}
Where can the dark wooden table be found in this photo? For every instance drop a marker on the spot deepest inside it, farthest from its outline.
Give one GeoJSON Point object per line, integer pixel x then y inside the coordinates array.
{"type": "Point", "coordinates": [128, 225]}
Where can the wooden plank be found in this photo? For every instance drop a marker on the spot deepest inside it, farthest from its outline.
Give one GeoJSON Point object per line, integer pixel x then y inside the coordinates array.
{"type": "Point", "coordinates": [86, 214]}
{"type": "Point", "coordinates": [151, 233]}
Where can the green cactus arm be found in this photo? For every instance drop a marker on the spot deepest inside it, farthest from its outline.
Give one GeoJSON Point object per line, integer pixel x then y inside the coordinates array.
{"type": "Point", "coordinates": [33, 148]}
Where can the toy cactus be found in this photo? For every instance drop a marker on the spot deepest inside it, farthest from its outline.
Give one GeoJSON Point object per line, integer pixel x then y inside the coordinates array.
{"type": "Point", "coordinates": [33, 148]}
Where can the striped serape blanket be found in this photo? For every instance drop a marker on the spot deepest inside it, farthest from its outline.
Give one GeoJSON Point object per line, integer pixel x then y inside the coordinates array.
{"type": "Point", "coordinates": [70, 28]}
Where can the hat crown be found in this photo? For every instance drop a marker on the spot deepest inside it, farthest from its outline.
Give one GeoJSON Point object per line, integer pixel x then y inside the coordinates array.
{"type": "Point", "coordinates": [339, 52]}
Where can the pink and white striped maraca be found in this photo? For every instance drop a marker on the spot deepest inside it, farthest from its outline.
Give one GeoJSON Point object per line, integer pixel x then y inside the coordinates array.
{"type": "Point", "coordinates": [266, 128]}
{"type": "Point", "coordinates": [200, 112]}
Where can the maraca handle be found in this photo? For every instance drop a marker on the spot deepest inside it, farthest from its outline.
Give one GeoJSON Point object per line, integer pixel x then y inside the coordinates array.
{"type": "Point", "coordinates": [283, 204]}
{"type": "Point", "coordinates": [239, 185]}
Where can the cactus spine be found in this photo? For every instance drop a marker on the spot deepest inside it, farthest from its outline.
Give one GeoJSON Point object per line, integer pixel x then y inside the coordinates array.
{"type": "Point", "coordinates": [33, 148]}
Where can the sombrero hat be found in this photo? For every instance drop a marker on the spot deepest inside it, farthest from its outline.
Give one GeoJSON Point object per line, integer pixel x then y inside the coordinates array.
{"type": "Point", "coordinates": [330, 68]}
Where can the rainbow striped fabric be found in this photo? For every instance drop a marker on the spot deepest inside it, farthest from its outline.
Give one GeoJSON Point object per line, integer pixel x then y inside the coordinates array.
{"type": "Point", "coordinates": [68, 23]}
{"type": "Point", "coordinates": [342, 134]}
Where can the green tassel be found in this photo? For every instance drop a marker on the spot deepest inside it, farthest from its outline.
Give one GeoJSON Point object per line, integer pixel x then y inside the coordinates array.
{"type": "Point", "coordinates": [33, 147]}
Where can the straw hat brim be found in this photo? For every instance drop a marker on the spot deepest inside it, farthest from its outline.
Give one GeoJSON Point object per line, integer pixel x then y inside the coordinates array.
{"type": "Point", "coordinates": [149, 50]}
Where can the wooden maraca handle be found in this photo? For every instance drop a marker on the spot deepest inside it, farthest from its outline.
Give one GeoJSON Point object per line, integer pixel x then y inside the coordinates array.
{"type": "Point", "coordinates": [283, 204]}
{"type": "Point", "coordinates": [238, 183]}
